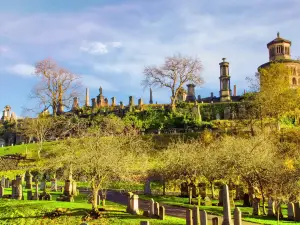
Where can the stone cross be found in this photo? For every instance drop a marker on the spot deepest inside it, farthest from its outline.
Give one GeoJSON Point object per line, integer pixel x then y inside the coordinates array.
{"type": "Point", "coordinates": [237, 216]}
{"type": "Point", "coordinates": [226, 206]}
{"type": "Point", "coordinates": [196, 216]}
{"type": "Point", "coordinates": [203, 217]}
{"type": "Point", "coordinates": [152, 207]}
{"type": "Point", "coordinates": [271, 207]}
{"type": "Point", "coordinates": [189, 217]}
{"type": "Point", "coordinates": [162, 212]}
{"type": "Point", "coordinates": [291, 211]}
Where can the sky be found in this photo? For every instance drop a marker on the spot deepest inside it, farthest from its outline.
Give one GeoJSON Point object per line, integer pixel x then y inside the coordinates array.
{"type": "Point", "coordinates": [109, 42]}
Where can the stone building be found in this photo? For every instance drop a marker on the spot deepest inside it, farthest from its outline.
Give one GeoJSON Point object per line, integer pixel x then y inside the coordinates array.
{"type": "Point", "coordinates": [8, 115]}
{"type": "Point", "coordinates": [280, 51]}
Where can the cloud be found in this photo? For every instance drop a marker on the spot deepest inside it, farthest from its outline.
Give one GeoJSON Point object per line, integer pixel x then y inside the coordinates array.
{"type": "Point", "coordinates": [96, 82]}
{"type": "Point", "coordinates": [94, 48]}
{"type": "Point", "coordinates": [24, 70]}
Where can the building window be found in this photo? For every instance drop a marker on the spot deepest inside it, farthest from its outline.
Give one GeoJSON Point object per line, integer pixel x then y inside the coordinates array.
{"type": "Point", "coordinates": [294, 81]}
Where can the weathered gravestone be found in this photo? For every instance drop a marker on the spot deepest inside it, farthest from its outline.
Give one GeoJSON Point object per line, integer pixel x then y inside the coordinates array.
{"type": "Point", "coordinates": [28, 180]}
{"type": "Point", "coordinates": [203, 217]}
{"type": "Point", "coordinates": [152, 207]}
{"type": "Point", "coordinates": [256, 207]}
{"type": "Point", "coordinates": [135, 204]}
{"type": "Point", "coordinates": [36, 193]}
{"type": "Point", "coordinates": [1, 191]}
{"type": "Point", "coordinates": [68, 188]}
{"type": "Point", "coordinates": [189, 217]}
{"type": "Point", "coordinates": [297, 211]}
{"type": "Point", "coordinates": [156, 209]}
{"type": "Point", "coordinates": [271, 207]}
{"type": "Point", "coordinates": [13, 189]}
{"type": "Point", "coordinates": [226, 206]}
{"type": "Point", "coordinates": [291, 211]}
{"type": "Point", "coordinates": [162, 212]}
{"type": "Point", "coordinates": [129, 195]}
{"type": "Point", "coordinates": [196, 216]}
{"type": "Point", "coordinates": [237, 216]}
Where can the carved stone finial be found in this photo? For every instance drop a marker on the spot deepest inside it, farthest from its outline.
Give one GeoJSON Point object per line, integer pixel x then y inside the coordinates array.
{"type": "Point", "coordinates": [223, 59]}
{"type": "Point", "coordinates": [278, 35]}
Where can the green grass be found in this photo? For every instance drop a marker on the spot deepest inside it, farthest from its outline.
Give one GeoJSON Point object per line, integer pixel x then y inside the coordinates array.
{"type": "Point", "coordinates": [32, 212]}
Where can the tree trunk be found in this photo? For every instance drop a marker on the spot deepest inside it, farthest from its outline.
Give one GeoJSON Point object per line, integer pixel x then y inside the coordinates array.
{"type": "Point", "coordinates": [164, 187]}
{"type": "Point", "coordinates": [173, 103]}
{"type": "Point", "coordinates": [71, 172]}
{"type": "Point", "coordinates": [94, 199]}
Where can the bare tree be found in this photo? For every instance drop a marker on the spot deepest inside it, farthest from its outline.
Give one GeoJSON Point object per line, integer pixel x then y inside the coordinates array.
{"type": "Point", "coordinates": [57, 86]}
{"type": "Point", "coordinates": [173, 74]}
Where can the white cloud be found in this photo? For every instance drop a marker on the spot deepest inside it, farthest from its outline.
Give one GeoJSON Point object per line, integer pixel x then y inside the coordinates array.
{"type": "Point", "coordinates": [96, 82]}
{"type": "Point", "coordinates": [24, 70]}
{"type": "Point", "coordinates": [94, 48]}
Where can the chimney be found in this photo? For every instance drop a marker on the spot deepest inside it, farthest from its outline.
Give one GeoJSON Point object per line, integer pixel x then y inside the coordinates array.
{"type": "Point", "coordinates": [234, 90]}
{"type": "Point", "coordinates": [87, 97]}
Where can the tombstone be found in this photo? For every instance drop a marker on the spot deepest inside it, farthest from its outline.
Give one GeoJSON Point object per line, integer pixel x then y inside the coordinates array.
{"type": "Point", "coordinates": [220, 197]}
{"type": "Point", "coordinates": [3, 181]}
{"type": "Point", "coordinates": [1, 191]}
{"type": "Point", "coordinates": [147, 188]}
{"type": "Point", "coordinates": [36, 193]}
{"type": "Point", "coordinates": [189, 217]}
{"type": "Point", "coordinates": [156, 209]}
{"type": "Point", "coordinates": [162, 213]}
{"type": "Point", "coordinates": [291, 211]}
{"type": "Point", "coordinates": [226, 206]}
{"type": "Point", "coordinates": [135, 204]}
{"type": "Point", "coordinates": [68, 188]}
{"type": "Point", "coordinates": [203, 217]}
{"type": "Point", "coordinates": [29, 195]}
{"type": "Point", "coordinates": [7, 183]}
{"type": "Point", "coordinates": [256, 207]}
{"type": "Point", "coordinates": [53, 184]}
{"type": "Point", "coordinates": [28, 180]}
{"type": "Point", "coordinates": [145, 223]}
{"type": "Point", "coordinates": [152, 207]}
{"type": "Point", "coordinates": [215, 221]}
{"type": "Point", "coordinates": [226, 113]}
{"type": "Point", "coordinates": [19, 192]}
{"type": "Point", "coordinates": [218, 117]}
{"type": "Point", "coordinates": [297, 211]}
{"type": "Point", "coordinates": [237, 216]}
{"type": "Point", "coordinates": [13, 188]}
{"type": "Point", "coordinates": [271, 207]}
{"type": "Point", "coordinates": [246, 200]}
{"type": "Point", "coordinates": [74, 188]}
{"type": "Point", "coordinates": [129, 195]}
{"type": "Point", "coordinates": [196, 216]}
{"type": "Point", "coordinates": [43, 185]}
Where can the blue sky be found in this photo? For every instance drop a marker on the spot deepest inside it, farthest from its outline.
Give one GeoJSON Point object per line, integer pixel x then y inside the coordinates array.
{"type": "Point", "coordinates": [108, 43]}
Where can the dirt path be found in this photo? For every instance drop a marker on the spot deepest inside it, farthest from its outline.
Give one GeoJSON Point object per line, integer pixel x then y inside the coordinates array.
{"type": "Point", "coordinates": [176, 211]}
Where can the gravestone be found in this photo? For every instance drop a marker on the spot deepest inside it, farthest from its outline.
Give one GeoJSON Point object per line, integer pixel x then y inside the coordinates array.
{"type": "Point", "coordinates": [7, 183]}
{"type": "Point", "coordinates": [256, 207]}
{"type": "Point", "coordinates": [129, 209]}
{"type": "Point", "coordinates": [246, 200]}
{"type": "Point", "coordinates": [36, 193]}
{"type": "Point", "coordinates": [203, 217]}
{"type": "Point", "coordinates": [162, 212]}
{"type": "Point", "coordinates": [226, 206]}
{"type": "Point", "coordinates": [189, 217]}
{"type": "Point", "coordinates": [53, 184]}
{"type": "Point", "coordinates": [28, 180]}
{"type": "Point", "coordinates": [271, 207]}
{"type": "Point", "coordinates": [218, 117]}
{"type": "Point", "coordinates": [13, 189]}
{"type": "Point", "coordinates": [297, 211]}
{"type": "Point", "coordinates": [196, 216]}
{"type": "Point", "coordinates": [291, 211]}
{"type": "Point", "coordinates": [3, 181]}
{"type": "Point", "coordinates": [215, 221]}
{"type": "Point", "coordinates": [1, 191]}
{"type": "Point", "coordinates": [147, 188]}
{"type": "Point", "coordinates": [135, 204]}
{"type": "Point", "coordinates": [29, 195]}
{"type": "Point", "coordinates": [19, 192]}
{"type": "Point", "coordinates": [152, 207]}
{"type": "Point", "coordinates": [237, 216]}
{"type": "Point", "coordinates": [98, 199]}
{"type": "Point", "coordinates": [156, 209]}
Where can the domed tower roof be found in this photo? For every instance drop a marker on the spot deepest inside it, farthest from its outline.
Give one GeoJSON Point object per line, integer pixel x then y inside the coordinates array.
{"type": "Point", "coordinates": [279, 40]}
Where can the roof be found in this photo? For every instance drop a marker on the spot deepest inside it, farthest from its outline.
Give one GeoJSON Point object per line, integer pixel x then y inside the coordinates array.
{"type": "Point", "coordinates": [279, 61]}
{"type": "Point", "coordinates": [279, 40]}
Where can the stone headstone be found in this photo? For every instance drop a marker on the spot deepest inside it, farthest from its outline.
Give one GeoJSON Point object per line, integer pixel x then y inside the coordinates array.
{"type": "Point", "coordinates": [237, 216]}
{"type": "Point", "coordinates": [162, 212]}
{"type": "Point", "coordinates": [189, 217]}
{"type": "Point", "coordinates": [215, 221]}
{"type": "Point", "coordinates": [196, 216]}
{"type": "Point", "coordinates": [156, 209]}
{"type": "Point", "coordinates": [203, 217]}
{"type": "Point", "coordinates": [53, 184]}
{"type": "Point", "coordinates": [28, 180]}
{"type": "Point", "coordinates": [13, 188]}
{"type": "Point", "coordinates": [291, 211]}
{"type": "Point", "coordinates": [226, 206]}
{"type": "Point", "coordinates": [271, 207]}
{"type": "Point", "coordinates": [147, 188]}
{"type": "Point", "coordinates": [98, 199]}
{"type": "Point", "coordinates": [1, 191]}
{"type": "Point", "coordinates": [135, 204]}
{"type": "Point", "coordinates": [152, 207]}
{"type": "Point", "coordinates": [246, 200]}
{"type": "Point", "coordinates": [256, 207]}
{"type": "Point", "coordinates": [297, 211]}
{"type": "Point", "coordinates": [129, 209]}
{"type": "Point", "coordinates": [29, 195]}
{"type": "Point", "coordinates": [19, 192]}
{"type": "Point", "coordinates": [7, 183]}
{"type": "Point", "coordinates": [3, 181]}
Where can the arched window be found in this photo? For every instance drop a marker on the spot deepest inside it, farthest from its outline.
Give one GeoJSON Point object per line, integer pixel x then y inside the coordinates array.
{"type": "Point", "coordinates": [294, 81]}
